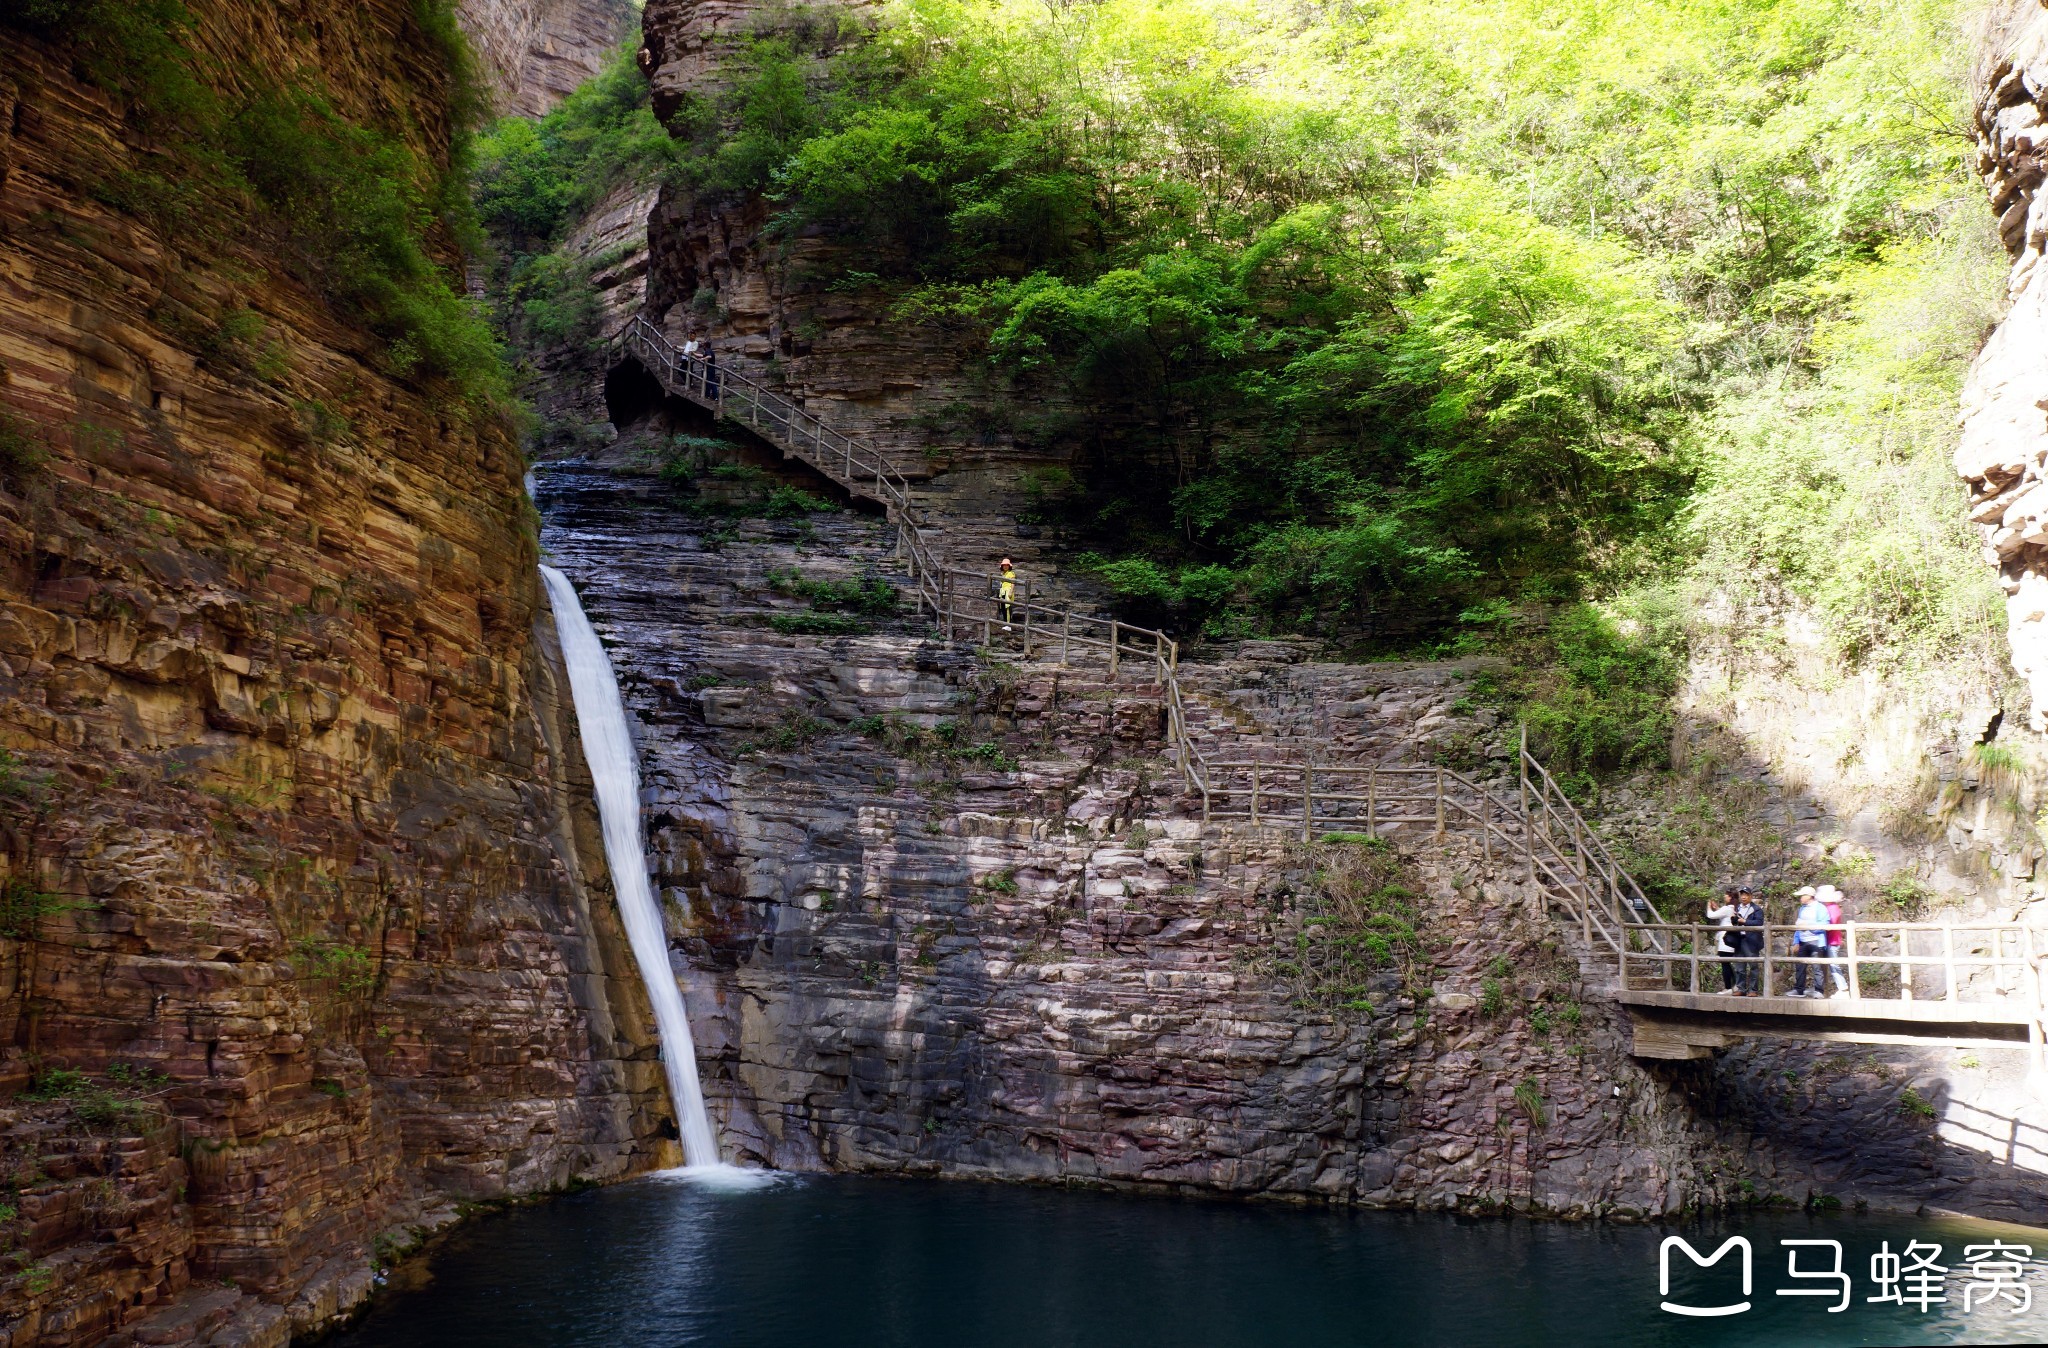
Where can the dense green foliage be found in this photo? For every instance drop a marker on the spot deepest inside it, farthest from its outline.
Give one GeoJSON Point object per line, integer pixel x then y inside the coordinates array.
{"type": "Point", "coordinates": [536, 179]}
{"type": "Point", "coordinates": [266, 159]}
{"type": "Point", "coordinates": [1425, 308]}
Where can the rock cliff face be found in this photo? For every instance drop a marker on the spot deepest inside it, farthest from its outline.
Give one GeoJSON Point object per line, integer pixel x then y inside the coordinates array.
{"type": "Point", "coordinates": [298, 944]}
{"type": "Point", "coordinates": [944, 917]}
{"type": "Point", "coordinates": [535, 52]}
{"type": "Point", "coordinates": [2005, 430]}
{"type": "Point", "coordinates": [565, 381]}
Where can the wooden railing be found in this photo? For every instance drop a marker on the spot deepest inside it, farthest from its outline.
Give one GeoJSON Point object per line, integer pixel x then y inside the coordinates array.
{"type": "Point", "coordinates": [852, 464]}
{"type": "Point", "coordinates": [1902, 962]}
{"type": "Point", "coordinates": [1560, 853]}
{"type": "Point", "coordinates": [1539, 828]}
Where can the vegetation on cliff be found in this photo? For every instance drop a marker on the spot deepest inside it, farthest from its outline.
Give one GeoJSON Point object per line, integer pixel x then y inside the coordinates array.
{"type": "Point", "coordinates": [536, 179]}
{"type": "Point", "coordinates": [229, 165]}
{"type": "Point", "coordinates": [1428, 312]}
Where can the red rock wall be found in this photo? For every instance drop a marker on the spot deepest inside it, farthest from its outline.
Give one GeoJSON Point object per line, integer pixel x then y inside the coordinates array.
{"type": "Point", "coordinates": [289, 753]}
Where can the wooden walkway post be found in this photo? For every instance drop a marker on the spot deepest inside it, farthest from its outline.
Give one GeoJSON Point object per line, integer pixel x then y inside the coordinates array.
{"type": "Point", "coordinates": [1308, 799]}
{"type": "Point", "coordinates": [2038, 1027]}
{"type": "Point", "coordinates": [1115, 639]}
{"type": "Point", "coordinates": [1529, 816]}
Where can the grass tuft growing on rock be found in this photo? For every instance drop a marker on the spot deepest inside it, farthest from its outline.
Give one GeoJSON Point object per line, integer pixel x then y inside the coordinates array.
{"type": "Point", "coordinates": [1353, 919]}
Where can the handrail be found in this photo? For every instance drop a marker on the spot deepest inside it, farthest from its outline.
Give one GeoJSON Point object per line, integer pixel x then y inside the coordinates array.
{"type": "Point", "coordinates": [1564, 857]}
{"type": "Point", "coordinates": [1967, 976]}
{"type": "Point", "coordinates": [728, 392]}
{"type": "Point", "coordinates": [1571, 862]}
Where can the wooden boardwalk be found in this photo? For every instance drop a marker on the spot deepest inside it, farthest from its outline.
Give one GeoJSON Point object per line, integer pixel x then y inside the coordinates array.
{"type": "Point", "coordinates": [1693, 1025]}
{"type": "Point", "coordinates": [1965, 984]}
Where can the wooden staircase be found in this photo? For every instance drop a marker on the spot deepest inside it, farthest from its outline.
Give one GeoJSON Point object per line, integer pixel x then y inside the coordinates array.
{"type": "Point", "coordinates": [1272, 785]}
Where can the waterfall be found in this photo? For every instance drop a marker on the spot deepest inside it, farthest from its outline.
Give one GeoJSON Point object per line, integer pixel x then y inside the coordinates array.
{"type": "Point", "coordinates": [616, 775]}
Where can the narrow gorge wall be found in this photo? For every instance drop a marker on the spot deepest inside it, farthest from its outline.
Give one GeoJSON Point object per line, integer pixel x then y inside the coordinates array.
{"type": "Point", "coordinates": [534, 53]}
{"type": "Point", "coordinates": [303, 940]}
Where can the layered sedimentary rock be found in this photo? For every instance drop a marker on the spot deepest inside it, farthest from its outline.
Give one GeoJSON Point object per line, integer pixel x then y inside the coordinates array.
{"type": "Point", "coordinates": [689, 44]}
{"type": "Point", "coordinates": [533, 53]}
{"type": "Point", "coordinates": [298, 947]}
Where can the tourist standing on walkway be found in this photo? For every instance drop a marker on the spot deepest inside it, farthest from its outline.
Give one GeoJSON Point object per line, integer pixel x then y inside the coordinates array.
{"type": "Point", "coordinates": [1838, 967]}
{"type": "Point", "coordinates": [1723, 916]}
{"type": "Point", "coordinates": [1749, 916]}
{"type": "Point", "coordinates": [1809, 941]}
{"type": "Point", "coordinates": [1006, 589]}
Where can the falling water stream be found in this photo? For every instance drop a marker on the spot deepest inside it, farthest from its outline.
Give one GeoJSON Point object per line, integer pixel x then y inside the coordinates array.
{"type": "Point", "coordinates": [615, 775]}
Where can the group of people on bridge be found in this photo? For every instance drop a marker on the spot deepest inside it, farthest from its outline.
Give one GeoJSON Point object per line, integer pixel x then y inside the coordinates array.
{"type": "Point", "coordinates": [1817, 940]}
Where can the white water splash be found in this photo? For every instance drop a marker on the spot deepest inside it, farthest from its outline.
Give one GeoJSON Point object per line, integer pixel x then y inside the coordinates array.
{"type": "Point", "coordinates": [615, 775]}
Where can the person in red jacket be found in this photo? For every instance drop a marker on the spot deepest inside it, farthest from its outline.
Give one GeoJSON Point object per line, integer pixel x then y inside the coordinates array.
{"type": "Point", "coordinates": [1838, 967]}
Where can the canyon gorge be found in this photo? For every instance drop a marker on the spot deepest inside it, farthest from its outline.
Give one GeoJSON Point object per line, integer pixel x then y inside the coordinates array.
{"type": "Point", "coordinates": [308, 942]}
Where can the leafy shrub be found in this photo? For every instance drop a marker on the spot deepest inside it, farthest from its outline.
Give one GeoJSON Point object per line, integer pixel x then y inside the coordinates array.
{"type": "Point", "coordinates": [794, 731]}
{"type": "Point", "coordinates": [21, 453]}
{"type": "Point", "coordinates": [989, 753]}
{"type": "Point", "coordinates": [1594, 688]}
{"type": "Point", "coordinates": [352, 969]}
{"type": "Point", "coordinates": [788, 503]}
{"type": "Point", "coordinates": [1901, 898]}
{"type": "Point", "coordinates": [533, 178]}
{"type": "Point", "coordinates": [818, 624]}
{"type": "Point", "coordinates": [23, 906]}
{"type": "Point", "coordinates": [871, 594]}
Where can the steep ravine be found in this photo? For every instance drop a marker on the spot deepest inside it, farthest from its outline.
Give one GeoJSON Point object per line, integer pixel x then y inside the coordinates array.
{"type": "Point", "coordinates": [321, 950]}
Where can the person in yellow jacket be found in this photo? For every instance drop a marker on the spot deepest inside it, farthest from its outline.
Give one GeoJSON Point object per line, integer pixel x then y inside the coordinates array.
{"type": "Point", "coordinates": [1006, 590]}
